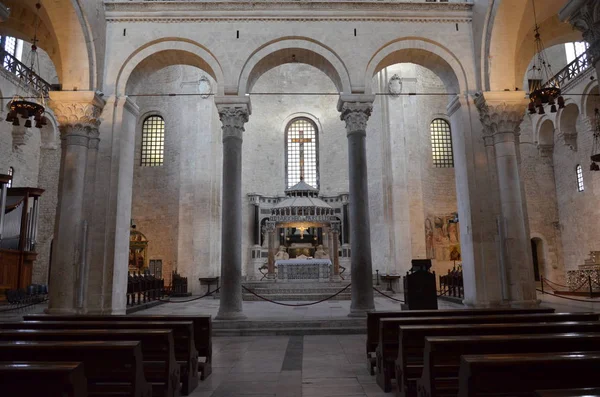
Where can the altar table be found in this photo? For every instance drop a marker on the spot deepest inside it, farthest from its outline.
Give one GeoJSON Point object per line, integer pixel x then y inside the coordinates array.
{"type": "Point", "coordinates": [303, 269]}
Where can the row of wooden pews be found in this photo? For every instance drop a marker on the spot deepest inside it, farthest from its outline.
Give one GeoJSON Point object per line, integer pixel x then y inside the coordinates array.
{"type": "Point", "coordinates": [136, 356]}
{"type": "Point", "coordinates": [446, 353]}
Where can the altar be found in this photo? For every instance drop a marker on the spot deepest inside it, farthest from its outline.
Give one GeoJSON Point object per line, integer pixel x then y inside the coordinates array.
{"type": "Point", "coordinates": [303, 269]}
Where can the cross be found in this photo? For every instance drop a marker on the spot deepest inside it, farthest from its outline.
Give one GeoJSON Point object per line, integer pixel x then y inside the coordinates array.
{"type": "Point", "coordinates": [301, 140]}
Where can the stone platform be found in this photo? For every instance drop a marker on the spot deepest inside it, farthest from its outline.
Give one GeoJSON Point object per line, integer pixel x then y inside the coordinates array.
{"type": "Point", "coordinates": [296, 291]}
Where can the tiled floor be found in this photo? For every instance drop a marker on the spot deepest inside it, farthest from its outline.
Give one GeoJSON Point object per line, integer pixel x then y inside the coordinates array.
{"type": "Point", "coordinates": [274, 366]}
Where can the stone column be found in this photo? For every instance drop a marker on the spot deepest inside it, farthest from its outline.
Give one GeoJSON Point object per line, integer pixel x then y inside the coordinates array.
{"type": "Point", "coordinates": [78, 117]}
{"type": "Point", "coordinates": [233, 113]}
{"type": "Point", "coordinates": [501, 114]}
{"type": "Point", "coordinates": [270, 226]}
{"type": "Point", "coordinates": [355, 111]}
{"type": "Point", "coordinates": [335, 249]}
{"type": "Point", "coordinates": [584, 15]}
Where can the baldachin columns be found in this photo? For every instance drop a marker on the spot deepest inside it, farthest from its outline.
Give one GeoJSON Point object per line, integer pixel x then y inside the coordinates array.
{"type": "Point", "coordinates": [501, 114]}
{"type": "Point", "coordinates": [355, 111]}
{"type": "Point", "coordinates": [234, 113]}
{"type": "Point", "coordinates": [78, 115]}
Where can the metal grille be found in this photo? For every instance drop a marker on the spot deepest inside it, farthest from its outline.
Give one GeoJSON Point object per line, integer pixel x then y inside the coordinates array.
{"type": "Point", "coordinates": [441, 144]}
{"type": "Point", "coordinates": [301, 152]}
{"type": "Point", "coordinates": [153, 142]}
{"type": "Point", "coordinates": [579, 171]}
{"type": "Point", "coordinates": [11, 172]}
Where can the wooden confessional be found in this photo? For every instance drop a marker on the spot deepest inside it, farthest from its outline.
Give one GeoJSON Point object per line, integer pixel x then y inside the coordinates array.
{"type": "Point", "coordinates": [19, 209]}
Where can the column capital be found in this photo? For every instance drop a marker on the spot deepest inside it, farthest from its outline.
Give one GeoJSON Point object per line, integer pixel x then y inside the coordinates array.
{"type": "Point", "coordinates": [77, 112]}
{"type": "Point", "coordinates": [355, 111]}
{"type": "Point", "coordinates": [270, 226]}
{"type": "Point", "coordinates": [584, 15]}
{"type": "Point", "coordinates": [234, 112]}
{"type": "Point", "coordinates": [501, 112]}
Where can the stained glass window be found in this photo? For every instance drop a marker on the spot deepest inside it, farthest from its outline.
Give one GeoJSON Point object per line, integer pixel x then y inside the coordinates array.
{"type": "Point", "coordinates": [153, 141]}
{"type": "Point", "coordinates": [301, 143]}
{"type": "Point", "coordinates": [441, 144]}
{"type": "Point", "coordinates": [579, 172]}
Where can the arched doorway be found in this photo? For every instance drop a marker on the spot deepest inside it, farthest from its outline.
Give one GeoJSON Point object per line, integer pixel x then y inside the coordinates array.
{"type": "Point", "coordinates": [537, 253]}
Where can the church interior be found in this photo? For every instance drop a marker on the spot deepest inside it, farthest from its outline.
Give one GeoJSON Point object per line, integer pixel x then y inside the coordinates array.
{"type": "Point", "coordinates": [228, 198]}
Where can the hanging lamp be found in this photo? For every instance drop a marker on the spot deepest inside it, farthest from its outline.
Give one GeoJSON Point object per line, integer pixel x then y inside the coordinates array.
{"type": "Point", "coordinates": [20, 105]}
{"type": "Point", "coordinates": [544, 93]}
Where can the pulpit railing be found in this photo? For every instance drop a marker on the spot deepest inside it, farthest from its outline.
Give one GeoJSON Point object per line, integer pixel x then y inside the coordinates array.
{"type": "Point", "coordinates": [23, 73]}
{"type": "Point", "coordinates": [569, 72]}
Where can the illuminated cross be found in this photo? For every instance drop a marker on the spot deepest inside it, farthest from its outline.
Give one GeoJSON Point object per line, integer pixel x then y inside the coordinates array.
{"type": "Point", "coordinates": [301, 140]}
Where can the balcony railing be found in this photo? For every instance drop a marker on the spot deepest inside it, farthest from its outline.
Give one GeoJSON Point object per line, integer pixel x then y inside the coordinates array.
{"type": "Point", "coordinates": [24, 74]}
{"type": "Point", "coordinates": [569, 72]}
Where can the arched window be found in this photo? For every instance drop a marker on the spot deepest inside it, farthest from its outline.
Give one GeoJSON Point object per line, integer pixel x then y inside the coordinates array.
{"type": "Point", "coordinates": [11, 172]}
{"type": "Point", "coordinates": [301, 152]}
{"type": "Point", "coordinates": [579, 172]}
{"type": "Point", "coordinates": [575, 49]}
{"type": "Point", "coordinates": [153, 141]}
{"type": "Point", "coordinates": [441, 144]}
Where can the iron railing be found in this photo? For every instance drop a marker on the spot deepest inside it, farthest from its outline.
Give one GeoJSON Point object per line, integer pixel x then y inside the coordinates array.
{"type": "Point", "coordinates": [569, 72]}
{"type": "Point", "coordinates": [23, 73]}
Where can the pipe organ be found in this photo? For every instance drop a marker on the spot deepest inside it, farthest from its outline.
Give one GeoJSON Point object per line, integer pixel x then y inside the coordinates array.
{"type": "Point", "coordinates": [18, 229]}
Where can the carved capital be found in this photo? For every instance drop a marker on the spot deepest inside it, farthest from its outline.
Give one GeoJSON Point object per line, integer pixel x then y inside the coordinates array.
{"type": "Point", "coordinates": [356, 115]}
{"type": "Point", "coordinates": [585, 17]}
{"type": "Point", "coordinates": [545, 150]}
{"type": "Point", "coordinates": [94, 136]}
{"type": "Point", "coordinates": [501, 112]}
{"type": "Point", "coordinates": [233, 118]}
{"type": "Point", "coordinates": [335, 227]}
{"type": "Point", "coordinates": [76, 112]}
{"type": "Point", "coordinates": [569, 139]}
{"type": "Point", "coordinates": [270, 226]}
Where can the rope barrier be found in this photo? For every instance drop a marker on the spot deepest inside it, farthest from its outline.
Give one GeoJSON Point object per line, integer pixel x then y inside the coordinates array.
{"type": "Point", "coordinates": [23, 307]}
{"type": "Point", "coordinates": [387, 296]}
{"type": "Point", "coordinates": [564, 297]}
{"type": "Point", "coordinates": [552, 282]}
{"type": "Point", "coordinates": [297, 304]}
{"type": "Point", "coordinates": [185, 301]}
{"type": "Point", "coordinates": [569, 288]}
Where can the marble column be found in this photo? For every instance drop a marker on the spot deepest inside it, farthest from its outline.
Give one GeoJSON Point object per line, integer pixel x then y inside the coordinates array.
{"type": "Point", "coordinates": [355, 111]}
{"type": "Point", "coordinates": [233, 113]}
{"type": "Point", "coordinates": [501, 114]}
{"type": "Point", "coordinates": [335, 250]}
{"type": "Point", "coordinates": [270, 226]}
{"type": "Point", "coordinates": [78, 117]}
{"type": "Point", "coordinates": [584, 15]}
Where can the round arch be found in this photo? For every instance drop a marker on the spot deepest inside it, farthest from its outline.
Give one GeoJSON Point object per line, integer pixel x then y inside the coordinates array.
{"type": "Point", "coordinates": [545, 133]}
{"type": "Point", "coordinates": [64, 34]}
{"type": "Point", "coordinates": [170, 51]}
{"type": "Point", "coordinates": [288, 50]}
{"type": "Point", "coordinates": [590, 99]}
{"type": "Point", "coordinates": [428, 54]}
{"type": "Point", "coordinates": [566, 119]}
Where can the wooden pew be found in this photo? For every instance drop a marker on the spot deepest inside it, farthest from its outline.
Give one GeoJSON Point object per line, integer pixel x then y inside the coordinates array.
{"type": "Point", "coordinates": [111, 368]}
{"type": "Point", "coordinates": [160, 367]}
{"type": "Point", "coordinates": [202, 330]}
{"type": "Point", "coordinates": [387, 350]}
{"type": "Point", "coordinates": [185, 351]}
{"type": "Point", "coordinates": [587, 392]}
{"type": "Point", "coordinates": [409, 364]}
{"type": "Point", "coordinates": [442, 354]}
{"type": "Point", "coordinates": [55, 379]}
{"type": "Point", "coordinates": [523, 374]}
{"type": "Point", "coordinates": [373, 318]}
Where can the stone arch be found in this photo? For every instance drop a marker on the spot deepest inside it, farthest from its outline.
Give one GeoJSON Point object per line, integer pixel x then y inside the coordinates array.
{"type": "Point", "coordinates": [590, 100]}
{"type": "Point", "coordinates": [428, 54]}
{"type": "Point", "coordinates": [509, 31]}
{"type": "Point", "coordinates": [539, 255]}
{"type": "Point", "coordinates": [567, 124]}
{"type": "Point", "coordinates": [166, 52]}
{"type": "Point", "coordinates": [64, 34]}
{"type": "Point", "coordinates": [293, 49]}
{"type": "Point", "coordinates": [49, 134]}
{"type": "Point", "coordinates": [545, 138]}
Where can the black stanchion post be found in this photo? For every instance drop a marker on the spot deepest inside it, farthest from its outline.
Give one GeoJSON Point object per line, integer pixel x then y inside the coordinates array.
{"type": "Point", "coordinates": [591, 290]}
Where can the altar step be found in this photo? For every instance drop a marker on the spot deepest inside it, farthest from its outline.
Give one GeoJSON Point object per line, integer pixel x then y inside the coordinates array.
{"type": "Point", "coordinates": [296, 327]}
{"type": "Point", "coordinates": [292, 291]}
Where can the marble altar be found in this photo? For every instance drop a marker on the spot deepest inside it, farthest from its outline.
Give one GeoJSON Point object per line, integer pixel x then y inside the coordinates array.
{"type": "Point", "coordinates": [303, 270]}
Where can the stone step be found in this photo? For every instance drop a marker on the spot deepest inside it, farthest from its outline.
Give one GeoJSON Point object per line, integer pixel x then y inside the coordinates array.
{"type": "Point", "coordinates": [302, 297]}
{"type": "Point", "coordinates": [280, 291]}
{"type": "Point", "coordinates": [294, 285]}
{"type": "Point", "coordinates": [324, 324]}
{"type": "Point", "coordinates": [299, 331]}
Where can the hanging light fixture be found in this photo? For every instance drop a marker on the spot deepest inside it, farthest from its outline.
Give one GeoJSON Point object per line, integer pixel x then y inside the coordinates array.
{"type": "Point", "coordinates": [548, 92]}
{"type": "Point", "coordinates": [595, 157]}
{"type": "Point", "coordinates": [20, 105]}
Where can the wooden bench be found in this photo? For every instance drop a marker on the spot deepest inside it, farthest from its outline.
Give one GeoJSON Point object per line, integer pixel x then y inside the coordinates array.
{"type": "Point", "coordinates": [185, 351]}
{"type": "Point", "coordinates": [387, 350]}
{"type": "Point", "coordinates": [409, 365]}
{"type": "Point", "coordinates": [442, 354]}
{"type": "Point", "coordinates": [202, 331]}
{"type": "Point", "coordinates": [56, 379]}
{"type": "Point", "coordinates": [523, 374]}
{"type": "Point", "coordinates": [373, 318]}
{"type": "Point", "coordinates": [588, 392]}
{"type": "Point", "coordinates": [111, 368]}
{"type": "Point", "coordinates": [160, 367]}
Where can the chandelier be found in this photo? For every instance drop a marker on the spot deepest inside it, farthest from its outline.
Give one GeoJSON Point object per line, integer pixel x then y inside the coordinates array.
{"type": "Point", "coordinates": [595, 157]}
{"type": "Point", "coordinates": [20, 105]}
{"type": "Point", "coordinates": [548, 93]}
